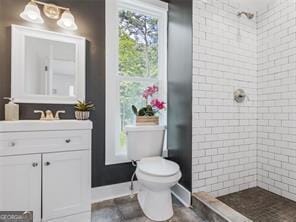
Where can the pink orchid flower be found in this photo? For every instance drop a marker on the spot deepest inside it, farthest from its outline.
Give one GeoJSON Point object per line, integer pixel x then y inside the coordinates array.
{"type": "Point", "coordinates": [150, 91]}
{"type": "Point", "coordinates": [157, 104]}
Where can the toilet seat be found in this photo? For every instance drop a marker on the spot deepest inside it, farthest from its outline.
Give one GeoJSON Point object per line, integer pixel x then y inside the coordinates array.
{"type": "Point", "coordinates": [159, 181]}
{"type": "Point", "coordinates": [158, 167]}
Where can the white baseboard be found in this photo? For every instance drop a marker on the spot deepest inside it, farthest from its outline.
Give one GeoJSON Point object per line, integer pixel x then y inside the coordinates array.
{"type": "Point", "coordinates": [99, 194]}
{"type": "Point", "coordinates": [182, 194]}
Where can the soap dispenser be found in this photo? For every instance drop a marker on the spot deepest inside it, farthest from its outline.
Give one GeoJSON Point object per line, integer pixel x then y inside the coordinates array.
{"type": "Point", "coordinates": [11, 110]}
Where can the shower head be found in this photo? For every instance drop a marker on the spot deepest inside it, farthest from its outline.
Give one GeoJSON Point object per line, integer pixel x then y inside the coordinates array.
{"type": "Point", "coordinates": [249, 15]}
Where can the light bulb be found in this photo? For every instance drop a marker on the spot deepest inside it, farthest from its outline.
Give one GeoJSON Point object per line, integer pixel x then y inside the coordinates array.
{"type": "Point", "coordinates": [67, 21]}
{"type": "Point", "coordinates": [31, 13]}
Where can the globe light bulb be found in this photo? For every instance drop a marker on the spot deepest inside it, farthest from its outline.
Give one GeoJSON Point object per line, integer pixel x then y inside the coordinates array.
{"type": "Point", "coordinates": [67, 21]}
{"type": "Point", "coordinates": [31, 13]}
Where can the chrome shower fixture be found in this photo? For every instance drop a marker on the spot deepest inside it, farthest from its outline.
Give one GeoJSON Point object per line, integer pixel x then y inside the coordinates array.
{"type": "Point", "coordinates": [240, 96]}
{"type": "Point", "coordinates": [249, 15]}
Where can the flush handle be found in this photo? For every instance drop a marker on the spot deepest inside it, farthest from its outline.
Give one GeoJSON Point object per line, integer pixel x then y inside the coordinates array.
{"type": "Point", "coordinates": [12, 144]}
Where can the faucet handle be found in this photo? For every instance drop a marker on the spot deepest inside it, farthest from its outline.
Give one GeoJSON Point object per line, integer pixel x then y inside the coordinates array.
{"type": "Point", "coordinates": [48, 115]}
{"type": "Point", "coordinates": [57, 115]}
{"type": "Point", "coordinates": [42, 117]}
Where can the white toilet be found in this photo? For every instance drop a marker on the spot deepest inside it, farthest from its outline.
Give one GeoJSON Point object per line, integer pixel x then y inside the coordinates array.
{"type": "Point", "coordinates": [155, 174]}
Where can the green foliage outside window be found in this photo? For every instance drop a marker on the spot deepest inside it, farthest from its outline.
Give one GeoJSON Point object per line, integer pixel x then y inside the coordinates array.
{"type": "Point", "coordinates": [138, 46]}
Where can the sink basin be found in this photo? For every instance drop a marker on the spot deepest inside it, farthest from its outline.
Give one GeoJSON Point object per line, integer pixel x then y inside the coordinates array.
{"type": "Point", "coordinates": [43, 125]}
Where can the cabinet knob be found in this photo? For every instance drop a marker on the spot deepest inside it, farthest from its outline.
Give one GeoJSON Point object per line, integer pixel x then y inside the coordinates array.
{"type": "Point", "coordinates": [11, 144]}
{"type": "Point", "coordinates": [68, 141]}
{"type": "Point", "coordinates": [47, 163]}
{"type": "Point", "coordinates": [34, 164]}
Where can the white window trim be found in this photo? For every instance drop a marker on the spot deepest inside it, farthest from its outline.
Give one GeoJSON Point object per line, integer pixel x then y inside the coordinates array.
{"type": "Point", "coordinates": [155, 8]}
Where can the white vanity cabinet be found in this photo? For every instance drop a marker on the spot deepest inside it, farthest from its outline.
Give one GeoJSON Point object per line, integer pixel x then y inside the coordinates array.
{"type": "Point", "coordinates": [45, 167]}
{"type": "Point", "coordinates": [20, 178]}
{"type": "Point", "coordinates": [66, 175]}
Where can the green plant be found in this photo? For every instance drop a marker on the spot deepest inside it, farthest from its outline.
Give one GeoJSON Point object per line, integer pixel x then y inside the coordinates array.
{"type": "Point", "coordinates": [84, 106]}
{"type": "Point", "coordinates": [145, 111]}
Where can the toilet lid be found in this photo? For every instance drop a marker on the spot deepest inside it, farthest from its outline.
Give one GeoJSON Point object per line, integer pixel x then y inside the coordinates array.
{"type": "Point", "coordinates": [157, 166]}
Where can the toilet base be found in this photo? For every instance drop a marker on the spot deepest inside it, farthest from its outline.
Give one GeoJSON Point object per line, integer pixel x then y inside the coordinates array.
{"type": "Point", "coordinates": [156, 206]}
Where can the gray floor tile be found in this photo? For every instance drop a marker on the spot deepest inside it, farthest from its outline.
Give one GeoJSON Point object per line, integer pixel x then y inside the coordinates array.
{"type": "Point", "coordinates": [130, 210]}
{"type": "Point", "coordinates": [106, 215]}
{"type": "Point", "coordinates": [127, 209]}
{"type": "Point", "coordinates": [103, 204]}
{"type": "Point", "coordinates": [106, 211]}
{"type": "Point", "coordinates": [126, 199]}
{"type": "Point", "coordinates": [185, 214]}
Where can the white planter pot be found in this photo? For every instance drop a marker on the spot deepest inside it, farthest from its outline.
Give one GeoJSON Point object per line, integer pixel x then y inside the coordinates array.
{"type": "Point", "coordinates": [82, 115]}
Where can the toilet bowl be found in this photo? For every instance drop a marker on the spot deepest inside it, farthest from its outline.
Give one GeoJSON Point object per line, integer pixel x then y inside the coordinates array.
{"type": "Point", "coordinates": [156, 176]}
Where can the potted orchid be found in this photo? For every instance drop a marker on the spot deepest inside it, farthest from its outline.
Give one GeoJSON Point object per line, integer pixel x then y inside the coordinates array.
{"type": "Point", "coordinates": [147, 114]}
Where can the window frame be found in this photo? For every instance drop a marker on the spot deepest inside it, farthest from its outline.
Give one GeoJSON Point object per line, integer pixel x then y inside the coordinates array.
{"type": "Point", "coordinates": [154, 8]}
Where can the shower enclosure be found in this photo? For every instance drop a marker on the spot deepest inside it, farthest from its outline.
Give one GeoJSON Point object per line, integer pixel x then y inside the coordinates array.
{"type": "Point", "coordinates": [251, 146]}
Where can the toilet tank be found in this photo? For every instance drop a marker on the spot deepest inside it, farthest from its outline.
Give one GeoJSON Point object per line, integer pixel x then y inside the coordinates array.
{"type": "Point", "coordinates": [144, 141]}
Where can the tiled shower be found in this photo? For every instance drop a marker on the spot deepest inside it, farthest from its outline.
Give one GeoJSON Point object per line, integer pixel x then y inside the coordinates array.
{"type": "Point", "coordinates": [276, 137]}
{"type": "Point", "coordinates": [239, 146]}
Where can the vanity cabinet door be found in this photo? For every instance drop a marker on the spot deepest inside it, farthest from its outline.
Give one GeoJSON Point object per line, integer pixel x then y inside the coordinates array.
{"type": "Point", "coordinates": [20, 184]}
{"type": "Point", "coordinates": [66, 184]}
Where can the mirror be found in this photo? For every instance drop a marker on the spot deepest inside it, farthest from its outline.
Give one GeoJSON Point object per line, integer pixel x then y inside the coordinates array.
{"type": "Point", "coordinates": [47, 67]}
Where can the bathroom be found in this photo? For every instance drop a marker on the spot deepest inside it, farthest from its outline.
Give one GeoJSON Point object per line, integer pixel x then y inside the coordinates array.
{"type": "Point", "coordinates": [224, 135]}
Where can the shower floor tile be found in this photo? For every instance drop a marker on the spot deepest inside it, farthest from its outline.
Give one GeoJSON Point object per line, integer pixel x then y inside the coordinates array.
{"type": "Point", "coordinates": [260, 205]}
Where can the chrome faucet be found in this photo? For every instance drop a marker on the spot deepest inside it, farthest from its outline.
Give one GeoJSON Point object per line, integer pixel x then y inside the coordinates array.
{"type": "Point", "coordinates": [48, 115]}
{"type": "Point", "coordinates": [57, 115]}
{"type": "Point", "coordinates": [42, 117]}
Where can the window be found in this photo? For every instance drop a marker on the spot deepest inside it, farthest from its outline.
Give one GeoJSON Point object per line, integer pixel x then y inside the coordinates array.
{"type": "Point", "coordinates": [136, 42]}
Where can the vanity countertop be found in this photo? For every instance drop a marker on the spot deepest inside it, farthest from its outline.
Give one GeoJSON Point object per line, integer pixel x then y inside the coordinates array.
{"type": "Point", "coordinates": [42, 125]}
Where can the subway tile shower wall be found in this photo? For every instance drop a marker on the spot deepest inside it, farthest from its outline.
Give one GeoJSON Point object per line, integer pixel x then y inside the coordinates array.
{"type": "Point", "coordinates": [277, 98]}
{"type": "Point", "coordinates": [237, 146]}
{"type": "Point", "coordinates": [224, 132]}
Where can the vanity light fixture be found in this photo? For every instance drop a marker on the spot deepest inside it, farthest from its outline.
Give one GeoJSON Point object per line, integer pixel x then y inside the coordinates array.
{"type": "Point", "coordinates": [31, 13]}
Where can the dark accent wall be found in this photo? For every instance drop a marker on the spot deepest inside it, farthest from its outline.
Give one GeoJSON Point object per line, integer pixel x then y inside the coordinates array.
{"type": "Point", "coordinates": [180, 87]}
{"type": "Point", "coordinates": [90, 18]}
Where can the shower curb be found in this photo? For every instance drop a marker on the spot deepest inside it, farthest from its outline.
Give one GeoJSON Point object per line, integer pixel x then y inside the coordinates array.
{"type": "Point", "coordinates": [213, 210]}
